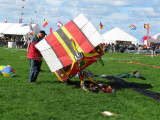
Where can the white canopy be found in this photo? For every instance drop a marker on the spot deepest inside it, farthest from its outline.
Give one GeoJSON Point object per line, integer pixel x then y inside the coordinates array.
{"type": "Point", "coordinates": [4, 26]}
{"type": "Point", "coordinates": [155, 38]}
{"type": "Point", "coordinates": [18, 29]}
{"type": "Point", "coordinates": [116, 34]}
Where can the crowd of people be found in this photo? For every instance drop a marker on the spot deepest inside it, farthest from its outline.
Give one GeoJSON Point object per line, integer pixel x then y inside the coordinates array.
{"type": "Point", "coordinates": [19, 42]}
{"type": "Point", "coordinates": [122, 47]}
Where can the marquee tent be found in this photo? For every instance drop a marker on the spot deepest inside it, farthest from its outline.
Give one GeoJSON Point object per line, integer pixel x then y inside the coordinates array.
{"type": "Point", "coordinates": [116, 34]}
{"type": "Point", "coordinates": [4, 26]}
{"type": "Point", "coordinates": [155, 38]}
{"type": "Point", "coordinates": [15, 29]}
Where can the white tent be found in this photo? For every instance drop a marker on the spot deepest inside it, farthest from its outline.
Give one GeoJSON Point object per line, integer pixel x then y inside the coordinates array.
{"type": "Point", "coordinates": [18, 29]}
{"type": "Point", "coordinates": [4, 26]}
{"type": "Point", "coordinates": [116, 34]}
{"type": "Point", "coordinates": [155, 38]}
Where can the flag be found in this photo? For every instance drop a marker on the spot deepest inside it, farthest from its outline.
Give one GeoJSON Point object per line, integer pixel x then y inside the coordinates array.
{"type": "Point", "coordinates": [5, 20]}
{"type": "Point", "coordinates": [20, 20]}
{"type": "Point", "coordinates": [45, 23]}
{"type": "Point", "coordinates": [144, 38]}
{"type": "Point", "coordinates": [51, 30]}
{"type": "Point", "coordinates": [31, 33]}
{"type": "Point", "coordinates": [30, 26]}
{"type": "Point", "coordinates": [132, 27]}
{"type": "Point", "coordinates": [101, 26]}
{"type": "Point", "coordinates": [59, 24]}
{"type": "Point", "coordinates": [32, 21]}
{"type": "Point", "coordinates": [145, 26]}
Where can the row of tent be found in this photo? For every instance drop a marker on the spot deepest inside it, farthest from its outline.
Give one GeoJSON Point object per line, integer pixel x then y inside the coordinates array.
{"type": "Point", "coordinates": [15, 29]}
{"type": "Point", "coordinates": [112, 36]}
{"type": "Point", "coordinates": [116, 34]}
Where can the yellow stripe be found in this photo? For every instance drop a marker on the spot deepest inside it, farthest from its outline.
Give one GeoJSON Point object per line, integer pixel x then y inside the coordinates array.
{"type": "Point", "coordinates": [74, 46]}
{"type": "Point", "coordinates": [64, 45]}
{"type": "Point", "coordinates": [90, 54]}
{"type": "Point", "coordinates": [71, 37]}
{"type": "Point", "coordinates": [68, 73]}
{"type": "Point", "coordinates": [58, 77]}
{"type": "Point", "coordinates": [101, 48]}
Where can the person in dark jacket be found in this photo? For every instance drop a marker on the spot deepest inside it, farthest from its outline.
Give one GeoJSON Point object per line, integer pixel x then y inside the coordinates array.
{"type": "Point", "coordinates": [35, 57]}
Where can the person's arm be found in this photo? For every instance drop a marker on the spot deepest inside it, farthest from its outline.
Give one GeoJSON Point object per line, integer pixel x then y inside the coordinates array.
{"type": "Point", "coordinates": [29, 43]}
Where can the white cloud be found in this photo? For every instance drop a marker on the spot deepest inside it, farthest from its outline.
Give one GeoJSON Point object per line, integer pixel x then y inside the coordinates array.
{"type": "Point", "coordinates": [54, 2]}
{"type": "Point", "coordinates": [147, 12]}
{"type": "Point", "coordinates": [112, 13]}
{"type": "Point", "coordinates": [110, 2]}
{"type": "Point", "coordinates": [118, 16]}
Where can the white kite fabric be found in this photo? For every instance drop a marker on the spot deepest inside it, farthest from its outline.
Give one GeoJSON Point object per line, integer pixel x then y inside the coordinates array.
{"type": "Point", "coordinates": [84, 26]}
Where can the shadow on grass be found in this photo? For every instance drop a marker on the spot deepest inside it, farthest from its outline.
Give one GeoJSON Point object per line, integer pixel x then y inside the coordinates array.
{"type": "Point", "coordinates": [48, 82]}
{"type": "Point", "coordinates": [116, 86]}
{"type": "Point", "coordinates": [15, 76]}
{"type": "Point", "coordinates": [48, 71]}
{"type": "Point", "coordinates": [76, 84]}
{"type": "Point", "coordinates": [142, 78]}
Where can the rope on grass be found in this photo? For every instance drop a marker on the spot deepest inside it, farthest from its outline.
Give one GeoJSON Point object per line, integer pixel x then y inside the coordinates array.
{"type": "Point", "coordinates": [139, 63]}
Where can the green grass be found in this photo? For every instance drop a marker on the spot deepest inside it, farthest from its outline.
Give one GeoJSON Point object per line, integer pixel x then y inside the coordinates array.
{"type": "Point", "coordinates": [49, 99]}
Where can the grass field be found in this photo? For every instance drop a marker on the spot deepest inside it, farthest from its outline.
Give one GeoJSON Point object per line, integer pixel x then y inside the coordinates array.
{"type": "Point", "coordinates": [49, 99]}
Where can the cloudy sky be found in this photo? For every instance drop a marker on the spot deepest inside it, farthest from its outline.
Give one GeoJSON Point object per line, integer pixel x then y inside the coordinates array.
{"type": "Point", "coordinates": [111, 13]}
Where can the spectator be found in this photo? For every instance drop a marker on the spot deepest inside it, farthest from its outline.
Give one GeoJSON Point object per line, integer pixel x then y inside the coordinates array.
{"type": "Point", "coordinates": [35, 57]}
{"type": "Point", "coordinates": [109, 47]}
{"type": "Point", "coordinates": [121, 48]}
{"type": "Point", "coordinates": [112, 47]}
{"type": "Point", "coordinates": [117, 47]}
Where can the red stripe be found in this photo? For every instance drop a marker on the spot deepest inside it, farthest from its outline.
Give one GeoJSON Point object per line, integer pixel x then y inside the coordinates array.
{"type": "Point", "coordinates": [80, 38]}
{"type": "Point", "coordinates": [59, 50]}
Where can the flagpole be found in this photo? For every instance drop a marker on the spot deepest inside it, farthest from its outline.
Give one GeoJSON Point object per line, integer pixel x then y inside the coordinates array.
{"type": "Point", "coordinates": [36, 16]}
{"type": "Point", "coordinates": [148, 34]}
{"type": "Point", "coordinates": [129, 28]}
{"type": "Point", "coordinates": [143, 29]}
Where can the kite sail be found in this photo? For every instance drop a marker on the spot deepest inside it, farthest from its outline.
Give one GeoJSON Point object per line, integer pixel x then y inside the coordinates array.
{"type": "Point", "coordinates": [58, 51]}
{"type": "Point", "coordinates": [72, 48]}
{"type": "Point", "coordinates": [6, 71]}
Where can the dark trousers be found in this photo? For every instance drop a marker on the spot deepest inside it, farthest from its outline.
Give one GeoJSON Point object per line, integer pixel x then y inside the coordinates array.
{"type": "Point", "coordinates": [34, 70]}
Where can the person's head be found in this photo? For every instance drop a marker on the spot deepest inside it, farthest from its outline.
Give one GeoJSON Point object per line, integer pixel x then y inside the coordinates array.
{"type": "Point", "coordinates": [42, 34]}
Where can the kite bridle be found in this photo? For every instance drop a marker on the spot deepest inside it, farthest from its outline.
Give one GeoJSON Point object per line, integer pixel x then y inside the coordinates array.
{"type": "Point", "coordinates": [94, 86]}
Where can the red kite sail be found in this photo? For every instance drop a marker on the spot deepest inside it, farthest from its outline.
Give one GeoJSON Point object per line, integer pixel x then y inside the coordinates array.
{"type": "Point", "coordinates": [60, 52]}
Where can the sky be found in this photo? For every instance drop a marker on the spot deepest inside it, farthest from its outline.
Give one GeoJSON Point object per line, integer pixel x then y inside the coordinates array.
{"type": "Point", "coordinates": [111, 13]}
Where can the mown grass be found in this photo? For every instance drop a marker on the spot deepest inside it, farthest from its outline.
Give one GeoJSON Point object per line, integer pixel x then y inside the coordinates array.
{"type": "Point", "coordinates": [49, 99]}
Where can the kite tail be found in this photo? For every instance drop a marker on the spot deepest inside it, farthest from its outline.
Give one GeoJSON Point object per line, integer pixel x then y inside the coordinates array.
{"type": "Point", "coordinates": [132, 86]}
